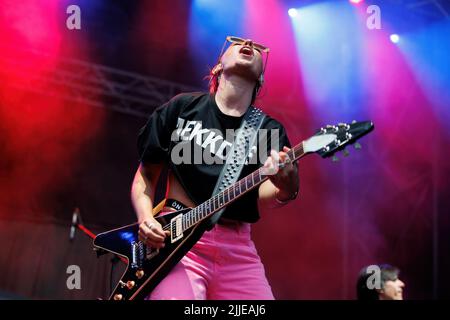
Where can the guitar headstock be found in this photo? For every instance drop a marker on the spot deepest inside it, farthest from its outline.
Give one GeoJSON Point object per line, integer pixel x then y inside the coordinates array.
{"type": "Point", "coordinates": [330, 139]}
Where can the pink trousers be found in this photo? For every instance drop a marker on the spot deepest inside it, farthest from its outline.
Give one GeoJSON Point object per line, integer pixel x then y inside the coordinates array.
{"type": "Point", "coordinates": [223, 265]}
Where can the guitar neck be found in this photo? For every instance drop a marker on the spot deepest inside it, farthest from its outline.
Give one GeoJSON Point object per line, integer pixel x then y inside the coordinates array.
{"type": "Point", "coordinates": [233, 192]}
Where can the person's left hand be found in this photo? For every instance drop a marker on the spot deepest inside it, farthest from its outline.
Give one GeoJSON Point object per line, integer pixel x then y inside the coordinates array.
{"type": "Point", "coordinates": [282, 173]}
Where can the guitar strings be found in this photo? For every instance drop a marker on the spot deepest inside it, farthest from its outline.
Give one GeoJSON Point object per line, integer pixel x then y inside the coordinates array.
{"type": "Point", "coordinates": [291, 153]}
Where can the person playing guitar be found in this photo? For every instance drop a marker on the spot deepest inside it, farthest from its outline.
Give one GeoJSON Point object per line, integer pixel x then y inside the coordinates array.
{"type": "Point", "coordinates": [190, 135]}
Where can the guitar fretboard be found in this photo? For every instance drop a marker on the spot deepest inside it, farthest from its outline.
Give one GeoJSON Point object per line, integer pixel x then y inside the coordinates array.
{"type": "Point", "coordinates": [233, 192]}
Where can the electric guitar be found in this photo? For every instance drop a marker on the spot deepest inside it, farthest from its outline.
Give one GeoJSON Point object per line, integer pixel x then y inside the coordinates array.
{"type": "Point", "coordinates": [147, 266]}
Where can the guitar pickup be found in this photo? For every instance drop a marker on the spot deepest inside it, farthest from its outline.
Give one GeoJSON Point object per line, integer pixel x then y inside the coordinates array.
{"type": "Point", "coordinates": [176, 228]}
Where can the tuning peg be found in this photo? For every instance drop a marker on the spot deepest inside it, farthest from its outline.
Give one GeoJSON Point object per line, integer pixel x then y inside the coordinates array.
{"type": "Point", "coordinates": [335, 159]}
{"type": "Point", "coordinates": [345, 152]}
{"type": "Point", "coordinates": [326, 149]}
{"type": "Point", "coordinates": [357, 146]}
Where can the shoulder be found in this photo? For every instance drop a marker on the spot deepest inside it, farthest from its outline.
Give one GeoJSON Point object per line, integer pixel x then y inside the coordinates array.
{"type": "Point", "coordinates": [187, 98]}
{"type": "Point", "coordinates": [271, 123]}
{"type": "Point", "coordinates": [178, 103]}
{"type": "Point", "coordinates": [275, 127]}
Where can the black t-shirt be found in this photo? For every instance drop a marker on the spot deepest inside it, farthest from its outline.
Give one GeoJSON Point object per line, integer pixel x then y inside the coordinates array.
{"type": "Point", "coordinates": [189, 133]}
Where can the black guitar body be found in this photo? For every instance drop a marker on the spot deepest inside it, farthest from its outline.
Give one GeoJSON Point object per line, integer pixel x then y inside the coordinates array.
{"type": "Point", "coordinates": [146, 267]}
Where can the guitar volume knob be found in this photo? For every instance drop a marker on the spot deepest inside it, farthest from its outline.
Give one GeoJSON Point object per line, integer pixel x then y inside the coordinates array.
{"type": "Point", "coordinates": [140, 273]}
{"type": "Point", "coordinates": [130, 284]}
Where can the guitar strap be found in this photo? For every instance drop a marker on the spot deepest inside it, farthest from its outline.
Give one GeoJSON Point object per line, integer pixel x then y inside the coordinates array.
{"type": "Point", "coordinates": [243, 143]}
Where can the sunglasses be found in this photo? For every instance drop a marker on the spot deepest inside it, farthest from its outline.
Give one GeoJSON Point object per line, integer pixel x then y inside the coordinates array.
{"type": "Point", "coordinates": [259, 47]}
{"type": "Point", "coordinates": [240, 41]}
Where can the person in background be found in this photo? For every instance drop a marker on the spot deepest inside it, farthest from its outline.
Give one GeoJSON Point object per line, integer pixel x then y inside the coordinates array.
{"type": "Point", "coordinates": [380, 282]}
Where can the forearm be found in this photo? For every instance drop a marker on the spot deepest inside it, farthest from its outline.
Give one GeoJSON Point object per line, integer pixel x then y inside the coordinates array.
{"type": "Point", "coordinates": [288, 190]}
{"type": "Point", "coordinates": [271, 195]}
{"type": "Point", "coordinates": [142, 195]}
{"type": "Point", "coordinates": [268, 193]}
{"type": "Point", "coordinates": [142, 203]}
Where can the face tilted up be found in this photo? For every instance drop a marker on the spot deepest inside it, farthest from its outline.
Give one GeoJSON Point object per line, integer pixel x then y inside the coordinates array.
{"type": "Point", "coordinates": [244, 60]}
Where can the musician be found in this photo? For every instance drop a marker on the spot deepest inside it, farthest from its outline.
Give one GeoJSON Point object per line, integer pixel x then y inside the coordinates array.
{"type": "Point", "coordinates": [390, 286]}
{"type": "Point", "coordinates": [224, 263]}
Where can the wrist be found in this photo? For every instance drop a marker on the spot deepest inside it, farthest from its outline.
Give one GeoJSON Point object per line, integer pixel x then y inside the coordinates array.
{"type": "Point", "coordinates": [146, 217]}
{"type": "Point", "coordinates": [283, 197]}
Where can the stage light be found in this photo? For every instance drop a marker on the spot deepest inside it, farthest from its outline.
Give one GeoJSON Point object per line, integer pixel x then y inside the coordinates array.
{"type": "Point", "coordinates": [356, 1]}
{"type": "Point", "coordinates": [394, 38]}
{"type": "Point", "coordinates": [293, 12]}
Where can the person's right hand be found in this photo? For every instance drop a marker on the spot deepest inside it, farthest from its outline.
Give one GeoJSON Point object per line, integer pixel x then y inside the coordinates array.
{"type": "Point", "coordinates": [152, 234]}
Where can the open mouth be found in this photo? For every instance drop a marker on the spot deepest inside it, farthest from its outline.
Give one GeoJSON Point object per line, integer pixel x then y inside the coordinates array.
{"type": "Point", "coordinates": [246, 51]}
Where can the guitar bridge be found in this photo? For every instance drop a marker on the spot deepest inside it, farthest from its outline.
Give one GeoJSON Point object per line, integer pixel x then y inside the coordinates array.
{"type": "Point", "coordinates": [151, 253]}
{"type": "Point", "coordinates": [137, 254]}
{"type": "Point", "coordinates": [176, 228]}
